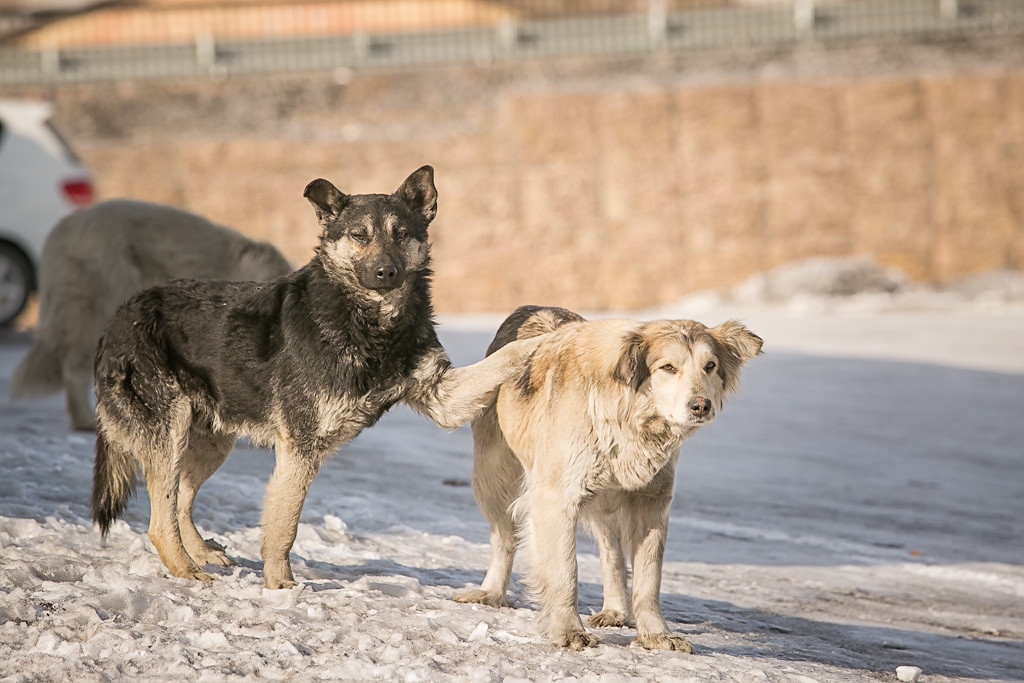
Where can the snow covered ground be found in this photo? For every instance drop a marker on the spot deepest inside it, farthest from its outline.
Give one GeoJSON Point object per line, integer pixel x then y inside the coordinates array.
{"type": "Point", "coordinates": [858, 507]}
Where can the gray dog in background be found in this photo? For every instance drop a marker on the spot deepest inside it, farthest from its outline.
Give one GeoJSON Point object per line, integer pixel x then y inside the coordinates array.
{"type": "Point", "coordinates": [96, 258]}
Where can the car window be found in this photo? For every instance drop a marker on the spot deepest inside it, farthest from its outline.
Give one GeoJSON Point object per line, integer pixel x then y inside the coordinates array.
{"type": "Point", "coordinates": [69, 153]}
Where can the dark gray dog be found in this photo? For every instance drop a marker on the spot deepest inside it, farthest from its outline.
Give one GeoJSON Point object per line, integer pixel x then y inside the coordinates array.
{"type": "Point", "coordinates": [303, 363]}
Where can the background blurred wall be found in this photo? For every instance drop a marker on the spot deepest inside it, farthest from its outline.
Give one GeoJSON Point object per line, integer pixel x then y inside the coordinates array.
{"type": "Point", "coordinates": [598, 186]}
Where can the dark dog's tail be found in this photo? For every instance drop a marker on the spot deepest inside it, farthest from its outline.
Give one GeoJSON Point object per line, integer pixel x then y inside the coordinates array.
{"type": "Point", "coordinates": [114, 476]}
{"type": "Point", "coordinates": [531, 321]}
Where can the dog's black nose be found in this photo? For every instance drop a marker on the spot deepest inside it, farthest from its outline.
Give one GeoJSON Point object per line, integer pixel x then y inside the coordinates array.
{"type": "Point", "coordinates": [387, 274]}
{"type": "Point", "coordinates": [700, 407]}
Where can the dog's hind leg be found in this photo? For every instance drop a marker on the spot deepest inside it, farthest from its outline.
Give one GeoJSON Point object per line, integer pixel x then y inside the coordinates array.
{"type": "Point", "coordinates": [647, 527]}
{"type": "Point", "coordinates": [162, 465]}
{"type": "Point", "coordinates": [497, 482]}
{"type": "Point", "coordinates": [206, 452]}
{"type": "Point", "coordinates": [294, 472]}
{"type": "Point", "coordinates": [607, 530]}
{"type": "Point", "coordinates": [77, 384]}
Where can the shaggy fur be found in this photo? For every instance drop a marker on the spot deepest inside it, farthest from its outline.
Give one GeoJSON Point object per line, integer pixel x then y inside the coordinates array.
{"type": "Point", "coordinates": [303, 363]}
{"type": "Point", "coordinates": [96, 258]}
{"type": "Point", "coordinates": [590, 431]}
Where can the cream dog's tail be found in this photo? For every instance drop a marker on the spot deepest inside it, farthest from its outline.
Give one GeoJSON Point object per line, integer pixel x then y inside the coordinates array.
{"type": "Point", "coordinates": [38, 374]}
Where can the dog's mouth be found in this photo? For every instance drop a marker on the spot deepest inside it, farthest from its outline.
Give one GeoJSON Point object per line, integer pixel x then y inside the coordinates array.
{"type": "Point", "coordinates": [697, 420]}
{"type": "Point", "coordinates": [377, 286]}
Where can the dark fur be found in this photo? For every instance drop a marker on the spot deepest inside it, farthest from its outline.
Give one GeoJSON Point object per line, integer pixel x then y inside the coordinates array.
{"type": "Point", "coordinates": [304, 362]}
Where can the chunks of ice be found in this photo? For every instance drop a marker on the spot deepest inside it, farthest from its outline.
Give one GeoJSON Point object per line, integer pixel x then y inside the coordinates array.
{"type": "Point", "coordinates": [908, 674]}
{"type": "Point", "coordinates": [282, 598]}
{"type": "Point", "coordinates": [332, 523]}
{"type": "Point", "coordinates": [479, 633]}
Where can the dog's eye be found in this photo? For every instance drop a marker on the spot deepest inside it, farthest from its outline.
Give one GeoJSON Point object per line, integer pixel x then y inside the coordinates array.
{"type": "Point", "coordinates": [710, 366]}
{"type": "Point", "coordinates": [669, 368]}
{"type": "Point", "coordinates": [401, 234]}
{"type": "Point", "coordinates": [359, 236]}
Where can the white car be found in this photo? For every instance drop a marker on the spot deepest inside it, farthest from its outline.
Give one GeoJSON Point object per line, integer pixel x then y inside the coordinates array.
{"type": "Point", "coordinates": [41, 181]}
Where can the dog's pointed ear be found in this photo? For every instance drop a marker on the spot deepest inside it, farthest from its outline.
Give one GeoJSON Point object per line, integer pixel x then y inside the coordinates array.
{"type": "Point", "coordinates": [327, 200]}
{"type": "Point", "coordinates": [738, 340]}
{"type": "Point", "coordinates": [631, 368]}
{"type": "Point", "coordinates": [419, 194]}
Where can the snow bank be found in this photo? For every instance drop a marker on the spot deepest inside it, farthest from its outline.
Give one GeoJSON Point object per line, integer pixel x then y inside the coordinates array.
{"type": "Point", "coordinates": [859, 285]}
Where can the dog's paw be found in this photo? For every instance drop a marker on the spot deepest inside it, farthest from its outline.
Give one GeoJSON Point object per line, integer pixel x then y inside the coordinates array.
{"type": "Point", "coordinates": [664, 641]}
{"type": "Point", "coordinates": [196, 575]}
{"type": "Point", "coordinates": [609, 618]}
{"type": "Point", "coordinates": [481, 597]}
{"type": "Point", "coordinates": [210, 552]}
{"type": "Point", "coordinates": [215, 554]}
{"type": "Point", "coordinates": [212, 556]}
{"type": "Point", "coordinates": [575, 640]}
{"type": "Point", "coordinates": [190, 571]}
{"type": "Point", "coordinates": [277, 574]}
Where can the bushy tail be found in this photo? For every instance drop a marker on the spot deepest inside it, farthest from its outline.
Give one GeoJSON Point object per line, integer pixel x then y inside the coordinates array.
{"type": "Point", "coordinates": [114, 476]}
{"type": "Point", "coordinates": [38, 374]}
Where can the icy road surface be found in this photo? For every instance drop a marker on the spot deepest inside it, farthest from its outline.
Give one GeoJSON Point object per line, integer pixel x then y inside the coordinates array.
{"type": "Point", "coordinates": [859, 506]}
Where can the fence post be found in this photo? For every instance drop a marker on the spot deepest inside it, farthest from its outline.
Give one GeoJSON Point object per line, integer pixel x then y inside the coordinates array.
{"type": "Point", "coordinates": [49, 61]}
{"type": "Point", "coordinates": [657, 23]}
{"type": "Point", "coordinates": [803, 15]}
{"type": "Point", "coordinates": [508, 35]}
{"type": "Point", "coordinates": [361, 46]}
{"type": "Point", "coordinates": [206, 51]}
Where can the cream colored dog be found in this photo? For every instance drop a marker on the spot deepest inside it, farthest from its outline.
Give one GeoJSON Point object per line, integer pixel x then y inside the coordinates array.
{"type": "Point", "coordinates": [96, 258]}
{"type": "Point", "coordinates": [591, 432]}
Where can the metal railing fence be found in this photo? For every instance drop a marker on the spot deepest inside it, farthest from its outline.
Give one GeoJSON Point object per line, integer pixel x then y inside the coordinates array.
{"type": "Point", "coordinates": [406, 40]}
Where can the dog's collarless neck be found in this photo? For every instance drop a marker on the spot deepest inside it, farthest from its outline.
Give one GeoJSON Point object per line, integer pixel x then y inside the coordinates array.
{"type": "Point", "coordinates": [342, 313]}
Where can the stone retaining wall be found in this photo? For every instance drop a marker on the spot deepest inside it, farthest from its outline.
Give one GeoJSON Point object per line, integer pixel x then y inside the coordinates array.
{"type": "Point", "coordinates": [616, 192]}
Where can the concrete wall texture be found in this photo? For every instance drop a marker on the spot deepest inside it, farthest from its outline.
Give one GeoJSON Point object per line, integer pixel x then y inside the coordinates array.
{"type": "Point", "coordinates": [594, 196]}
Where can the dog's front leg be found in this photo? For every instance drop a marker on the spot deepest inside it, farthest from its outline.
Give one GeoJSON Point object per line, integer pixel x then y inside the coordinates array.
{"type": "Point", "coordinates": [294, 472]}
{"type": "Point", "coordinates": [648, 528]}
{"type": "Point", "coordinates": [608, 532]}
{"type": "Point", "coordinates": [553, 574]}
{"type": "Point", "coordinates": [453, 396]}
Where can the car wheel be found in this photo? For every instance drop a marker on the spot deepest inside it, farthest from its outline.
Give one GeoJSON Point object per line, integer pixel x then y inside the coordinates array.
{"type": "Point", "coordinates": [15, 283]}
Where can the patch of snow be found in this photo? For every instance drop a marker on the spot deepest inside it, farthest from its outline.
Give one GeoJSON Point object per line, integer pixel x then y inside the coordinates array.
{"type": "Point", "coordinates": [857, 507]}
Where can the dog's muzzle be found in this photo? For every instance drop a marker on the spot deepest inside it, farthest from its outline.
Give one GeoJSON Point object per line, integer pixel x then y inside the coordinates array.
{"type": "Point", "coordinates": [386, 277]}
{"type": "Point", "coordinates": [700, 408]}
{"type": "Point", "coordinates": [383, 277]}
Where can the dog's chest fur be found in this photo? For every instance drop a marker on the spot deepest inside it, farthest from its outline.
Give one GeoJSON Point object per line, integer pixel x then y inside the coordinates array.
{"type": "Point", "coordinates": [628, 456]}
